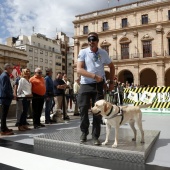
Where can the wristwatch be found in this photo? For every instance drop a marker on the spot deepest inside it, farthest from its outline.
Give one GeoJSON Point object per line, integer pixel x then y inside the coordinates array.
{"type": "Point", "coordinates": [111, 82]}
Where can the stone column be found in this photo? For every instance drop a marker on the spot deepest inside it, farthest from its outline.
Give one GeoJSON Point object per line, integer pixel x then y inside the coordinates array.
{"type": "Point", "coordinates": [76, 52]}
{"type": "Point", "coordinates": [160, 74]}
{"type": "Point", "coordinates": [136, 75]}
{"type": "Point", "coordinates": [159, 48]}
{"type": "Point", "coordinates": [115, 57]}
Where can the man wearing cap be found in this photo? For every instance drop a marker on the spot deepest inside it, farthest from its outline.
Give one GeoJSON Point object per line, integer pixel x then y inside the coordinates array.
{"type": "Point", "coordinates": [49, 95]}
{"type": "Point", "coordinates": [90, 65]}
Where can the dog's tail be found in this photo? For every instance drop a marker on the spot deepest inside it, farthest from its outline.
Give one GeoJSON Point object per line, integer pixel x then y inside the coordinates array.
{"type": "Point", "coordinates": [145, 105]}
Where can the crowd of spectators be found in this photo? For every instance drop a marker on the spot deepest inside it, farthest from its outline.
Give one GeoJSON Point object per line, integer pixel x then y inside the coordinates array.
{"type": "Point", "coordinates": [32, 93]}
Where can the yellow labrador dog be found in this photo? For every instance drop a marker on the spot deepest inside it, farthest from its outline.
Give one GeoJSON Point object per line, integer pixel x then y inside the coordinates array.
{"type": "Point", "coordinates": [116, 116]}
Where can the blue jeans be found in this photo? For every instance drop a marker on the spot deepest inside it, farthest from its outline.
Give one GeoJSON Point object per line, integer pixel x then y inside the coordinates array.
{"type": "Point", "coordinates": [25, 105]}
{"type": "Point", "coordinates": [48, 105]}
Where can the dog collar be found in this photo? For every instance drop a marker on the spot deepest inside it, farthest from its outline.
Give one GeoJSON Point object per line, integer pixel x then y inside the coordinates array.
{"type": "Point", "coordinates": [110, 111]}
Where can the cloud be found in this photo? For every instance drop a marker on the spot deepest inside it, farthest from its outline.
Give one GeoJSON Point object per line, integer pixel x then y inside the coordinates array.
{"type": "Point", "coordinates": [46, 17]}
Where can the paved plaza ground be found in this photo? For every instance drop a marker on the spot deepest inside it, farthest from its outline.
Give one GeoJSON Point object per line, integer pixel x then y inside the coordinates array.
{"type": "Point", "coordinates": [18, 152]}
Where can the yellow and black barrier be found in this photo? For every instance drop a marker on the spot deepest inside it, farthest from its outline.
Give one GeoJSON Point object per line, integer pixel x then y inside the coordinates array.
{"type": "Point", "coordinates": [161, 99]}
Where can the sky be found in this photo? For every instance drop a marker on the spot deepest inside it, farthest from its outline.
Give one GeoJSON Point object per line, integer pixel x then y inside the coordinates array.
{"type": "Point", "coordinates": [19, 17]}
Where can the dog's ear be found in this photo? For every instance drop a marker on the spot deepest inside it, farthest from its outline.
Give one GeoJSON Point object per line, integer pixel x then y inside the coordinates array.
{"type": "Point", "coordinates": [105, 106]}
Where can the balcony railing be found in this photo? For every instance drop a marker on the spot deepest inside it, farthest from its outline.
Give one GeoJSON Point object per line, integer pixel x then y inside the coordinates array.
{"type": "Point", "coordinates": [133, 56]}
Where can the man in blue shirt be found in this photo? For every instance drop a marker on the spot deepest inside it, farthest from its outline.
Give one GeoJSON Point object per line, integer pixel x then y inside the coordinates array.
{"type": "Point", "coordinates": [49, 94]}
{"type": "Point", "coordinates": [90, 65]}
{"type": "Point", "coordinates": [6, 96]}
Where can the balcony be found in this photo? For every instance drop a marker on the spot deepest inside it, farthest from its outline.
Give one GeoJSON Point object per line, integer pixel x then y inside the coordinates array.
{"type": "Point", "coordinates": [134, 56]}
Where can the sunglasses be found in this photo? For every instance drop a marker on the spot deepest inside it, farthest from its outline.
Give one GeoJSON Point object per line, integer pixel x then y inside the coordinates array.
{"type": "Point", "coordinates": [39, 72]}
{"type": "Point", "coordinates": [92, 38]}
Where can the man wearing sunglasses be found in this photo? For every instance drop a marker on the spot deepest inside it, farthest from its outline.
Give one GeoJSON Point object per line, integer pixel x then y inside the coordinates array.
{"type": "Point", "coordinates": [38, 91]}
{"type": "Point", "coordinates": [90, 65]}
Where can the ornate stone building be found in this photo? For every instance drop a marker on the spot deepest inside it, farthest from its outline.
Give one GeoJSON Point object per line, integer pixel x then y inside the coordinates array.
{"type": "Point", "coordinates": [136, 37]}
{"type": "Point", "coordinates": [13, 56]}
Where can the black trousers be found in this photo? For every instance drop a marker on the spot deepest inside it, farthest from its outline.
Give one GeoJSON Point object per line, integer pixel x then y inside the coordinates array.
{"type": "Point", "coordinates": [4, 113]}
{"type": "Point", "coordinates": [37, 106]}
{"type": "Point", "coordinates": [89, 92]}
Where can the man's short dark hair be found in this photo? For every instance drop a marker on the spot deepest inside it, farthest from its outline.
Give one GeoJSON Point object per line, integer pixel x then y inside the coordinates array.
{"type": "Point", "coordinates": [93, 33]}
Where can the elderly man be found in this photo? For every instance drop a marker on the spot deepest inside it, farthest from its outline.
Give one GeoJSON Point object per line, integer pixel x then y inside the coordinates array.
{"type": "Point", "coordinates": [38, 91]}
{"type": "Point", "coordinates": [6, 96]}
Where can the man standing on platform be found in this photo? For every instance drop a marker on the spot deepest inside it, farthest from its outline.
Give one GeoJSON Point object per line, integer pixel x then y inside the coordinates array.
{"type": "Point", "coordinates": [90, 65]}
{"type": "Point", "coordinates": [6, 96]}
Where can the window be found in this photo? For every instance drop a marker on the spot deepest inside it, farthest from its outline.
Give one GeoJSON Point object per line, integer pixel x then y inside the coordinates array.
{"type": "Point", "coordinates": [30, 49]}
{"type": "Point", "coordinates": [46, 53]}
{"type": "Point", "coordinates": [30, 58]}
{"type": "Point", "coordinates": [41, 51]}
{"type": "Point", "coordinates": [38, 44]}
{"type": "Point", "coordinates": [105, 26]}
{"type": "Point", "coordinates": [168, 14]}
{"type": "Point", "coordinates": [46, 61]}
{"type": "Point", "coordinates": [169, 46]}
{"type": "Point", "coordinates": [41, 59]}
{"type": "Point", "coordinates": [147, 49]}
{"type": "Point", "coordinates": [125, 51]}
{"type": "Point", "coordinates": [35, 51]}
{"type": "Point", "coordinates": [85, 30]}
{"type": "Point", "coordinates": [124, 22]}
{"type": "Point", "coordinates": [145, 19]}
{"type": "Point", "coordinates": [36, 58]}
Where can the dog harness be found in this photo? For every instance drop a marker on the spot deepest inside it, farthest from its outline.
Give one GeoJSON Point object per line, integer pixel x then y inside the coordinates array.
{"type": "Point", "coordinates": [119, 113]}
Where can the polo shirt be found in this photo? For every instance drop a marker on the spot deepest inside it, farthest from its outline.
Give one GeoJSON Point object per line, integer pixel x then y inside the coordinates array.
{"type": "Point", "coordinates": [58, 92]}
{"type": "Point", "coordinates": [38, 85]}
{"type": "Point", "coordinates": [93, 63]}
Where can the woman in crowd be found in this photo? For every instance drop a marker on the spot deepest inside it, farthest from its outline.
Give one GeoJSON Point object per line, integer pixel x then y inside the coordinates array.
{"type": "Point", "coordinates": [24, 90]}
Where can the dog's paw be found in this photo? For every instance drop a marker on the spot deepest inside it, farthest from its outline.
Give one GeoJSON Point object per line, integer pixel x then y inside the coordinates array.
{"type": "Point", "coordinates": [142, 141]}
{"type": "Point", "coordinates": [114, 146]}
{"type": "Point", "coordinates": [104, 143]}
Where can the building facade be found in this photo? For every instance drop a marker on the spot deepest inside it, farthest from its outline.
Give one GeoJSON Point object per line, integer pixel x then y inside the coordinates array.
{"type": "Point", "coordinates": [13, 56]}
{"type": "Point", "coordinates": [136, 37]}
{"type": "Point", "coordinates": [70, 63]}
{"type": "Point", "coordinates": [42, 52]}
